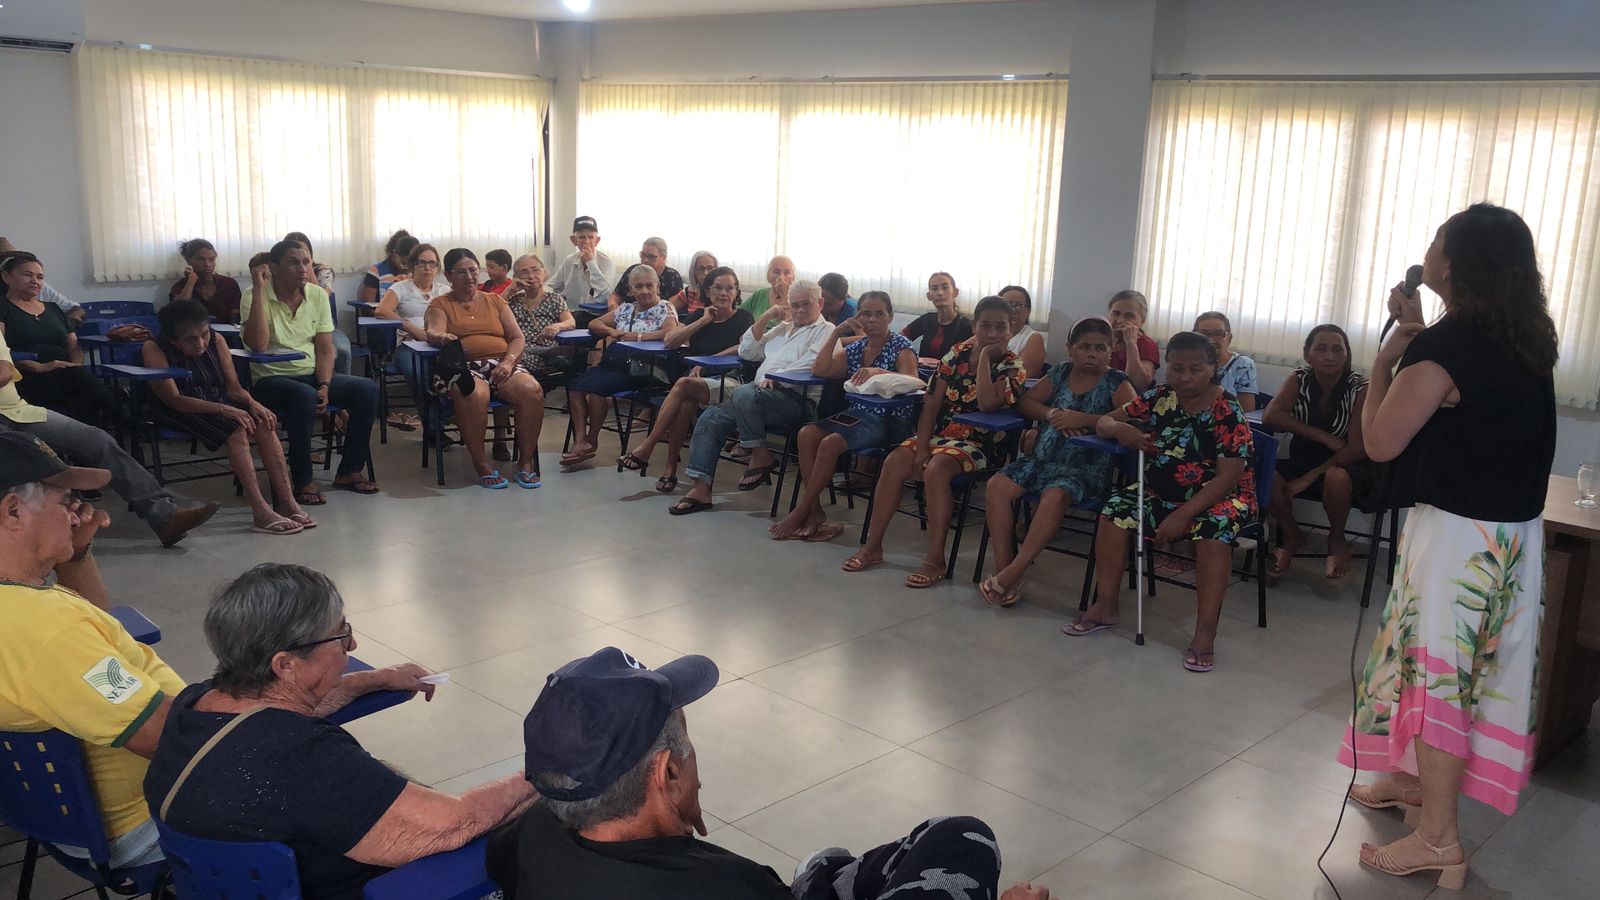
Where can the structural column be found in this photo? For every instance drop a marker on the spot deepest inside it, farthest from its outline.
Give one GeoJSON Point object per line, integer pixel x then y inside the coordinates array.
{"type": "Point", "coordinates": [1108, 108]}
{"type": "Point", "coordinates": [566, 46]}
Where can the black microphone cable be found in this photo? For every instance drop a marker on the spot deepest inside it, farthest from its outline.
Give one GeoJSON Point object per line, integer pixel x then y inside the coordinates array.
{"type": "Point", "coordinates": [1374, 545]}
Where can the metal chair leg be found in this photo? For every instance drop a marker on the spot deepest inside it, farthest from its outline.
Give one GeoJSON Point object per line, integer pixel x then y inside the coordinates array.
{"type": "Point", "coordinates": [960, 522]}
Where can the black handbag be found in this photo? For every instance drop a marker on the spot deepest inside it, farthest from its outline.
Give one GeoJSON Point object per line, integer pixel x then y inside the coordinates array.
{"type": "Point", "coordinates": [451, 366]}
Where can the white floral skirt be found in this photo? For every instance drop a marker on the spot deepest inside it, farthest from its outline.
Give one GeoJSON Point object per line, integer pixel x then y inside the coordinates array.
{"type": "Point", "coordinates": [1456, 661]}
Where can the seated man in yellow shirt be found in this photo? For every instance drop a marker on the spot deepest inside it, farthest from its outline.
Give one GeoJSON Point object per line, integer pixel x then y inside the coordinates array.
{"type": "Point", "coordinates": [284, 312]}
{"type": "Point", "coordinates": [65, 663]}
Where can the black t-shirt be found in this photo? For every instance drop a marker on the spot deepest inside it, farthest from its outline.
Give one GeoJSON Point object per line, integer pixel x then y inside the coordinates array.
{"type": "Point", "coordinates": [938, 339]}
{"type": "Point", "coordinates": [719, 336]}
{"type": "Point", "coordinates": [671, 283]}
{"type": "Point", "coordinates": [537, 858]}
{"type": "Point", "coordinates": [1489, 456]}
{"type": "Point", "coordinates": [279, 776]}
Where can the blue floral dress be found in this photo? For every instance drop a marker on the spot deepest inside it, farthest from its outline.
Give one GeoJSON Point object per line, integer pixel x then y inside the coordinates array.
{"type": "Point", "coordinates": [887, 358]}
{"type": "Point", "coordinates": [1188, 447]}
{"type": "Point", "coordinates": [1056, 462]}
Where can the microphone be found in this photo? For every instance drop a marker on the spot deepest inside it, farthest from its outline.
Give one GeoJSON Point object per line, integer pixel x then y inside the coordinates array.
{"type": "Point", "coordinates": [1413, 281]}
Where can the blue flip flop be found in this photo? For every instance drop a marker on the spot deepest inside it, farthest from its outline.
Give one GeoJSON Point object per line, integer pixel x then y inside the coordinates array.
{"type": "Point", "coordinates": [493, 481]}
{"type": "Point", "coordinates": [529, 480]}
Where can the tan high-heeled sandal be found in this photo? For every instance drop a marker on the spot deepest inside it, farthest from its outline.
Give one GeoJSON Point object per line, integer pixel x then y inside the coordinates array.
{"type": "Point", "coordinates": [1452, 876]}
{"type": "Point", "coordinates": [1361, 794]}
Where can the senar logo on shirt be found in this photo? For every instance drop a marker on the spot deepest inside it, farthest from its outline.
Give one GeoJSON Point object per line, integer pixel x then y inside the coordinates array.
{"type": "Point", "coordinates": [112, 681]}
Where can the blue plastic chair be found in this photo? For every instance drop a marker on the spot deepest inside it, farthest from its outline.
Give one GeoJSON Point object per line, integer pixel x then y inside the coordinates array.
{"type": "Point", "coordinates": [45, 794]}
{"type": "Point", "coordinates": [118, 309]}
{"type": "Point", "coordinates": [267, 870]}
{"type": "Point", "coordinates": [229, 870]}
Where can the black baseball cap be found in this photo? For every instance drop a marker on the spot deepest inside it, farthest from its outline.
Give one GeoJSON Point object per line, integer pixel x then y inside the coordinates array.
{"type": "Point", "coordinates": [584, 223]}
{"type": "Point", "coordinates": [25, 459]}
{"type": "Point", "coordinates": [597, 717]}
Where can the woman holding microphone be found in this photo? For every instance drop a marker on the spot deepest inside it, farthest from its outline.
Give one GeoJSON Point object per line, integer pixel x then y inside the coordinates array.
{"type": "Point", "coordinates": [1447, 702]}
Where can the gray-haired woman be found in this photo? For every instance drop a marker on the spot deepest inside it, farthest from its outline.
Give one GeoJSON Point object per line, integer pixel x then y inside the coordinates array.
{"type": "Point", "coordinates": [249, 756]}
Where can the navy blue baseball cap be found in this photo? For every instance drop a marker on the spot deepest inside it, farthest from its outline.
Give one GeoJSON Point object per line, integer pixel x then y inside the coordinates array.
{"type": "Point", "coordinates": [597, 717]}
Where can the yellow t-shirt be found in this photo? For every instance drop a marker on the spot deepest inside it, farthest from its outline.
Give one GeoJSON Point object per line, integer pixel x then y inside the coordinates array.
{"type": "Point", "coordinates": [291, 330]}
{"type": "Point", "coordinates": [68, 665]}
{"type": "Point", "coordinates": [12, 406]}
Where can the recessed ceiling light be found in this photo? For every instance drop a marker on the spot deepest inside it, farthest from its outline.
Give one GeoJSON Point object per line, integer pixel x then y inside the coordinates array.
{"type": "Point", "coordinates": [577, 6]}
{"type": "Point", "coordinates": [1008, 78]}
{"type": "Point", "coordinates": [146, 47]}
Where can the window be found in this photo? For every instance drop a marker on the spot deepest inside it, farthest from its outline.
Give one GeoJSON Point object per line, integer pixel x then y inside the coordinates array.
{"type": "Point", "coordinates": [883, 183]}
{"type": "Point", "coordinates": [1287, 205]}
{"type": "Point", "coordinates": [242, 151]}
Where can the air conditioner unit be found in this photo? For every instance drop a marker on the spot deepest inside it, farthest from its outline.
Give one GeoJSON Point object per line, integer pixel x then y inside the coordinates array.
{"type": "Point", "coordinates": [50, 26]}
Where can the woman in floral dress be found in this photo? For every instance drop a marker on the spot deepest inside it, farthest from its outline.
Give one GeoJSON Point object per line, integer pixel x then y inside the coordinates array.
{"type": "Point", "coordinates": [1447, 706]}
{"type": "Point", "coordinates": [978, 375]}
{"type": "Point", "coordinates": [1198, 482]}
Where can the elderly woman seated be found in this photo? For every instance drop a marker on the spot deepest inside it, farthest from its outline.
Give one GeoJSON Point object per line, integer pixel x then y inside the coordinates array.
{"type": "Point", "coordinates": [1068, 403]}
{"type": "Point", "coordinates": [716, 332]}
{"type": "Point", "coordinates": [874, 350]}
{"type": "Point", "coordinates": [213, 406]}
{"type": "Point", "coordinates": [645, 317]}
{"type": "Point", "coordinates": [251, 756]}
{"type": "Point", "coordinates": [492, 342]}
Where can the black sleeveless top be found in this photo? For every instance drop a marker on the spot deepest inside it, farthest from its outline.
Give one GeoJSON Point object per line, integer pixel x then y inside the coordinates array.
{"type": "Point", "coordinates": [205, 380]}
{"type": "Point", "coordinates": [1488, 457]}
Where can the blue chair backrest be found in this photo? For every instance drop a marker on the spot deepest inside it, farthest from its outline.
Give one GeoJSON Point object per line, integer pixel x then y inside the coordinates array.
{"type": "Point", "coordinates": [118, 309]}
{"type": "Point", "coordinates": [45, 791]}
{"type": "Point", "coordinates": [229, 870]}
{"type": "Point", "coordinates": [1265, 462]}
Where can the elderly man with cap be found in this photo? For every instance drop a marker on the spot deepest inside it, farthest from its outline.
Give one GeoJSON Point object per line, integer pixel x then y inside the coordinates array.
{"type": "Point", "coordinates": [65, 663]}
{"type": "Point", "coordinates": [149, 500]}
{"type": "Point", "coordinates": [608, 750]}
{"type": "Point", "coordinates": [585, 276]}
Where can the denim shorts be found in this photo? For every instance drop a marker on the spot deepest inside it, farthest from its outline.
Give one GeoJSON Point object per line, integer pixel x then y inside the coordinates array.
{"type": "Point", "coordinates": [874, 431]}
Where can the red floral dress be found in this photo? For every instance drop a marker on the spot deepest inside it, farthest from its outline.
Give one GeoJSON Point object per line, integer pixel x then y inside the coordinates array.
{"type": "Point", "coordinates": [971, 447]}
{"type": "Point", "coordinates": [1188, 449]}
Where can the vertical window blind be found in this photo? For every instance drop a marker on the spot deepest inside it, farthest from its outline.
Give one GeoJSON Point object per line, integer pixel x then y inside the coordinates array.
{"type": "Point", "coordinates": [884, 183]}
{"type": "Point", "coordinates": [1287, 205]}
{"type": "Point", "coordinates": [241, 151]}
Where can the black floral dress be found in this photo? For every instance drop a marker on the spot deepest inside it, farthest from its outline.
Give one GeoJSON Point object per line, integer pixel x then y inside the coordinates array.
{"type": "Point", "coordinates": [1188, 447]}
{"type": "Point", "coordinates": [958, 379]}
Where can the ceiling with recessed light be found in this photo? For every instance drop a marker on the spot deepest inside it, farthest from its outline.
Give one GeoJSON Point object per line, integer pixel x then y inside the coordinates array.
{"type": "Point", "coordinates": [556, 10]}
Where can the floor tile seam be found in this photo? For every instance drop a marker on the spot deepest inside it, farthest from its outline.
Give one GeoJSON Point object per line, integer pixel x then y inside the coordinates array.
{"type": "Point", "coordinates": [839, 643]}
{"type": "Point", "coordinates": [836, 775]}
{"type": "Point", "coordinates": [1178, 790]}
{"type": "Point", "coordinates": [1007, 791]}
{"type": "Point", "coordinates": [435, 785]}
{"type": "Point", "coordinates": [1163, 856]}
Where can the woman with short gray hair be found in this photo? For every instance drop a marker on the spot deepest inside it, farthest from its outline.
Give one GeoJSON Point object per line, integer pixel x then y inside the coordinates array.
{"type": "Point", "coordinates": [251, 756]}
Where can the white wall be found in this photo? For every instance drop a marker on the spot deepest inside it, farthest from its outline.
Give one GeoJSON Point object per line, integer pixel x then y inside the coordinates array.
{"type": "Point", "coordinates": [978, 39]}
{"type": "Point", "coordinates": [326, 31]}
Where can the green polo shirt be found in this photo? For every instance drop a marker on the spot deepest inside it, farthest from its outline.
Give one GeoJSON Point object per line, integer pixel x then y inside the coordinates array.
{"type": "Point", "coordinates": [291, 330]}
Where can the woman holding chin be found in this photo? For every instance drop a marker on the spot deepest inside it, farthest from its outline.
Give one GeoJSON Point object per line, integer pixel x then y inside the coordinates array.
{"type": "Point", "coordinates": [1468, 423]}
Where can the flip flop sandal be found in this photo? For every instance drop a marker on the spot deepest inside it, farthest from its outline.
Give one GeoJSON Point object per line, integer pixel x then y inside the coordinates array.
{"type": "Point", "coordinates": [666, 484]}
{"type": "Point", "coordinates": [930, 576]}
{"type": "Point", "coordinates": [824, 533]}
{"type": "Point", "coordinates": [494, 481]}
{"type": "Point", "coordinates": [402, 423]}
{"type": "Point", "coordinates": [1391, 803]}
{"type": "Point", "coordinates": [1082, 627]}
{"type": "Point", "coordinates": [754, 478]}
{"type": "Point", "coordinates": [310, 498]}
{"type": "Point", "coordinates": [1203, 662]}
{"type": "Point", "coordinates": [1011, 597]}
{"type": "Point", "coordinates": [633, 464]}
{"type": "Point", "coordinates": [857, 562]}
{"type": "Point", "coordinates": [359, 486]}
{"type": "Point", "coordinates": [303, 520]}
{"type": "Point", "coordinates": [529, 480]}
{"type": "Point", "coordinates": [573, 459]}
{"type": "Point", "coordinates": [693, 506]}
{"type": "Point", "coordinates": [282, 526]}
{"type": "Point", "coordinates": [991, 590]}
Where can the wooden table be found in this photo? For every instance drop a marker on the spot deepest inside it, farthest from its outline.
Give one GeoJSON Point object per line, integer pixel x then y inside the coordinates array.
{"type": "Point", "coordinates": [1569, 647]}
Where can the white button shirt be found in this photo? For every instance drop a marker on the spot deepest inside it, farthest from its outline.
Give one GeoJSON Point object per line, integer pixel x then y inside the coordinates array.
{"type": "Point", "coordinates": [786, 349]}
{"type": "Point", "coordinates": [583, 284]}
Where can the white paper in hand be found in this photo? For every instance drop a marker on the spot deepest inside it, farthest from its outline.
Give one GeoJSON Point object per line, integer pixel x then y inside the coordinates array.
{"type": "Point", "coordinates": [436, 678]}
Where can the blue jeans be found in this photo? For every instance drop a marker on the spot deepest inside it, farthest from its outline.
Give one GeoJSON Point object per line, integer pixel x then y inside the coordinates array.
{"type": "Point", "coordinates": [293, 399]}
{"type": "Point", "coordinates": [749, 411]}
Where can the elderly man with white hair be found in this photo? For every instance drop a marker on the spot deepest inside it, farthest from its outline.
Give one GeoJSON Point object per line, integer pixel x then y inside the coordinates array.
{"type": "Point", "coordinates": [782, 348]}
{"type": "Point", "coordinates": [652, 253]}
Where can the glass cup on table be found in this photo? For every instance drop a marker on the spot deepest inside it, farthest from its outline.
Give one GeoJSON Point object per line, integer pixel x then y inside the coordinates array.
{"type": "Point", "coordinates": [1588, 485]}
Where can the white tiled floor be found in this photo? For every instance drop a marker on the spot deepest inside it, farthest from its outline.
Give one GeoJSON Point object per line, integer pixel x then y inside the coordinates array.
{"type": "Point", "coordinates": [850, 707]}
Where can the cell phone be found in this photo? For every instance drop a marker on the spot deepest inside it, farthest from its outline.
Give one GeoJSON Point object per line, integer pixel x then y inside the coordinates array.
{"type": "Point", "coordinates": [845, 419]}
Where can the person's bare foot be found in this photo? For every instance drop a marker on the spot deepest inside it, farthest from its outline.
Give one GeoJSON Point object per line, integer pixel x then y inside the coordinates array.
{"type": "Point", "coordinates": [797, 523]}
{"type": "Point", "coordinates": [1283, 554]}
{"type": "Point", "coordinates": [1340, 559]}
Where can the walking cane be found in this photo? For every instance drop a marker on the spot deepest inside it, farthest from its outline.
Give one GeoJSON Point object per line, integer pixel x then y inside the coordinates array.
{"type": "Point", "coordinates": [1138, 560]}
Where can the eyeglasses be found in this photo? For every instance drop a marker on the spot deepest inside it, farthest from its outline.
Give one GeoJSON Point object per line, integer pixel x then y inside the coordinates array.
{"type": "Point", "coordinates": [649, 257]}
{"type": "Point", "coordinates": [1214, 335]}
{"type": "Point", "coordinates": [470, 273]}
{"type": "Point", "coordinates": [346, 637]}
{"type": "Point", "coordinates": [425, 264]}
{"type": "Point", "coordinates": [1017, 304]}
